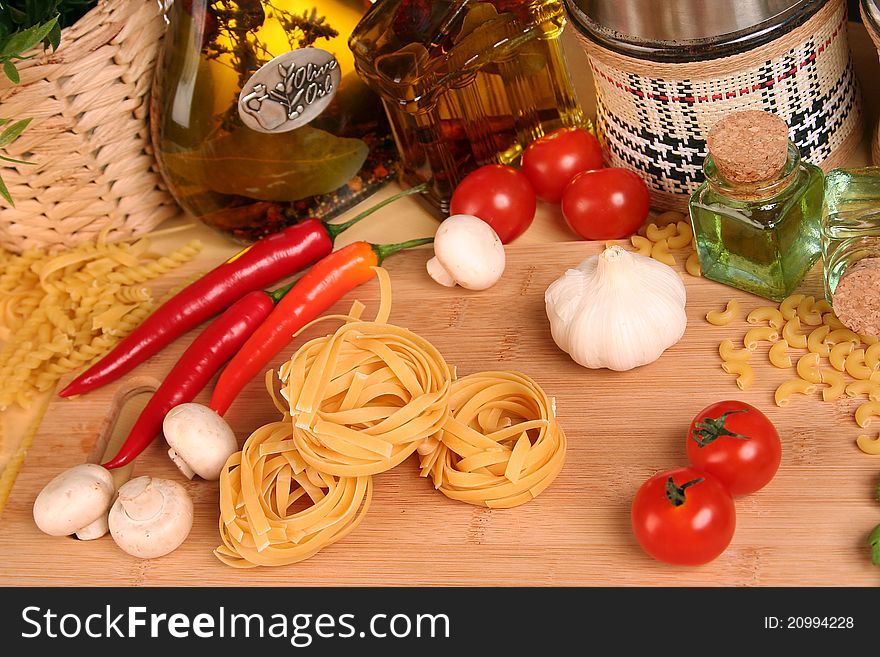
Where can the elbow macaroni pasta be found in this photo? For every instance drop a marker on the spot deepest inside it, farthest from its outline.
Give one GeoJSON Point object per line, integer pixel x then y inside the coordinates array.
{"type": "Point", "coordinates": [789, 306]}
{"type": "Point", "coordinates": [656, 234]}
{"type": "Point", "coordinates": [643, 245]}
{"type": "Point", "coordinates": [855, 365]}
{"type": "Point", "coordinates": [778, 355]}
{"type": "Point", "coordinates": [791, 387]}
{"type": "Point", "coordinates": [724, 317]}
{"type": "Point", "coordinates": [835, 385]}
{"type": "Point", "coordinates": [869, 445]}
{"type": "Point", "coordinates": [729, 353]}
{"type": "Point", "coordinates": [808, 368]}
{"type": "Point", "coordinates": [865, 412]}
{"type": "Point", "coordinates": [807, 314]}
{"type": "Point", "coordinates": [791, 335]}
{"type": "Point", "coordinates": [745, 373]}
{"type": "Point", "coordinates": [693, 265]}
{"type": "Point", "coordinates": [683, 238]}
{"type": "Point", "coordinates": [815, 341]}
{"type": "Point", "coordinates": [660, 252]}
{"type": "Point", "coordinates": [767, 314]}
{"type": "Point", "coordinates": [838, 355]}
{"type": "Point", "coordinates": [759, 334]}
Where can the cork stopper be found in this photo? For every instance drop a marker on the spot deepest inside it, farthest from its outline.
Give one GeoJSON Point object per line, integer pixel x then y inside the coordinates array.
{"type": "Point", "coordinates": [749, 146]}
{"type": "Point", "coordinates": [856, 300]}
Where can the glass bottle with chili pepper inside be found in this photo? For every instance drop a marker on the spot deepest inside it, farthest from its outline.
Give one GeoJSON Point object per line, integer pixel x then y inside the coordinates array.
{"type": "Point", "coordinates": [465, 83]}
{"type": "Point", "coordinates": [258, 117]}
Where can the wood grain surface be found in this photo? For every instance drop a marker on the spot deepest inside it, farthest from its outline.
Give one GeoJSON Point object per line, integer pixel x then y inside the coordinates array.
{"type": "Point", "coordinates": [808, 527]}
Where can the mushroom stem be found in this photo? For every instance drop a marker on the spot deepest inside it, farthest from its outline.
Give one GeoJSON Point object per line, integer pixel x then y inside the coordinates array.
{"type": "Point", "coordinates": [438, 272]}
{"type": "Point", "coordinates": [95, 529]}
{"type": "Point", "coordinates": [141, 500]}
{"type": "Point", "coordinates": [182, 465]}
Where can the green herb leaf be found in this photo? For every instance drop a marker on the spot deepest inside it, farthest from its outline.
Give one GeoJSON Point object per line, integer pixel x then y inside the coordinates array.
{"type": "Point", "coordinates": [12, 132]}
{"type": "Point", "coordinates": [11, 72]}
{"type": "Point", "coordinates": [283, 166]}
{"type": "Point", "coordinates": [23, 40]}
{"type": "Point", "coordinates": [4, 192]}
{"type": "Point", "coordinates": [13, 160]}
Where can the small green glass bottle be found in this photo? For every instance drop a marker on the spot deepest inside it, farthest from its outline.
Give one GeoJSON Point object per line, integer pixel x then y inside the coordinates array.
{"type": "Point", "coordinates": [756, 218]}
{"type": "Point", "coordinates": [850, 222]}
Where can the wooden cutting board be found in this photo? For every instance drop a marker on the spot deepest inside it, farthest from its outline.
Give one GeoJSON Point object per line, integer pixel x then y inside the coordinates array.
{"type": "Point", "coordinates": [808, 527]}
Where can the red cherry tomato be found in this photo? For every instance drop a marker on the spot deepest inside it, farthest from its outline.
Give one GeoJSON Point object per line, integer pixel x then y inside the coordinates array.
{"type": "Point", "coordinates": [606, 204]}
{"type": "Point", "coordinates": [499, 195]}
{"type": "Point", "coordinates": [683, 516]}
{"type": "Point", "coordinates": [551, 161]}
{"type": "Point", "coordinates": [736, 443]}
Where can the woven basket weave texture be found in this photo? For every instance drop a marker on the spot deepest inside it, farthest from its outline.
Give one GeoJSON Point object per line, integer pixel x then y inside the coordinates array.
{"type": "Point", "coordinates": [89, 140]}
{"type": "Point", "coordinates": [654, 117]}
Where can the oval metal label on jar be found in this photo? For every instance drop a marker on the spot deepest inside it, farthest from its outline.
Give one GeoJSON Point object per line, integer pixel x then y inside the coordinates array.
{"type": "Point", "coordinates": [289, 91]}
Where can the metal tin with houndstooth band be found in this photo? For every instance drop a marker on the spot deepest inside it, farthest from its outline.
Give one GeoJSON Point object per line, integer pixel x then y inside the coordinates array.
{"type": "Point", "coordinates": [665, 72]}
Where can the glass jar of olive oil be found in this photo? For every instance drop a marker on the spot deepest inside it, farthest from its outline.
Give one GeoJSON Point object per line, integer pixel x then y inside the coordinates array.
{"type": "Point", "coordinates": [259, 118]}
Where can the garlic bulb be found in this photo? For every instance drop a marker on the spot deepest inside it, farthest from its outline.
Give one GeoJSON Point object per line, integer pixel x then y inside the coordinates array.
{"type": "Point", "coordinates": [617, 310]}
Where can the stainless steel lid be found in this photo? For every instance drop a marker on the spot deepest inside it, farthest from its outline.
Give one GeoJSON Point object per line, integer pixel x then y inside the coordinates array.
{"type": "Point", "coordinates": [675, 30]}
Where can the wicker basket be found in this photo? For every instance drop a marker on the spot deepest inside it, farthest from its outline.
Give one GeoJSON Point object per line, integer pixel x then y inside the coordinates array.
{"type": "Point", "coordinates": [89, 140]}
{"type": "Point", "coordinates": [874, 32]}
{"type": "Point", "coordinates": [653, 116]}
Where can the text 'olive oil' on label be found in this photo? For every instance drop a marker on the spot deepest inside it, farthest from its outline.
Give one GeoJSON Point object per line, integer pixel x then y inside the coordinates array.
{"type": "Point", "coordinates": [289, 91]}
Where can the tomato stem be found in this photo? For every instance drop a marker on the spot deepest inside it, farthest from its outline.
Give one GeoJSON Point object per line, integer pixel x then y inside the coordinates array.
{"type": "Point", "coordinates": [874, 542]}
{"type": "Point", "coordinates": [675, 493]}
{"type": "Point", "coordinates": [708, 430]}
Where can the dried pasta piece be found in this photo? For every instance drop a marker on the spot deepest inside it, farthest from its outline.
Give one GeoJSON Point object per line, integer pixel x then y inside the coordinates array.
{"type": "Point", "coordinates": [807, 314]}
{"type": "Point", "coordinates": [791, 387]}
{"type": "Point", "coordinates": [867, 388]}
{"type": "Point", "coordinates": [855, 365]}
{"type": "Point", "coordinates": [660, 252]}
{"type": "Point", "coordinates": [642, 244]}
{"type": "Point", "coordinates": [656, 234]}
{"type": "Point", "coordinates": [838, 355]}
{"type": "Point", "coordinates": [767, 314]}
{"type": "Point", "coordinates": [831, 320]}
{"type": "Point", "coordinates": [872, 356]}
{"type": "Point", "coordinates": [759, 334]}
{"type": "Point", "coordinates": [684, 237]}
{"type": "Point", "coordinates": [816, 343]}
{"type": "Point", "coordinates": [839, 335]}
{"type": "Point", "coordinates": [723, 317]}
{"type": "Point", "coordinates": [865, 412]}
{"type": "Point", "coordinates": [789, 306]}
{"type": "Point", "coordinates": [778, 355]}
{"type": "Point", "coordinates": [259, 488]}
{"type": "Point", "coordinates": [745, 373]}
{"type": "Point", "coordinates": [835, 385]}
{"type": "Point", "coordinates": [822, 306]}
{"type": "Point", "coordinates": [501, 445]}
{"type": "Point", "coordinates": [729, 353]}
{"type": "Point", "coordinates": [869, 445]}
{"type": "Point", "coordinates": [808, 368]}
{"type": "Point", "coordinates": [791, 335]}
{"type": "Point", "coordinates": [869, 340]}
{"type": "Point", "coordinates": [692, 266]}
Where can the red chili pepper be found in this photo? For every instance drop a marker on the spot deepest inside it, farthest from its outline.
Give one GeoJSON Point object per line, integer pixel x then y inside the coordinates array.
{"type": "Point", "coordinates": [263, 263]}
{"type": "Point", "coordinates": [214, 346]}
{"type": "Point", "coordinates": [325, 283]}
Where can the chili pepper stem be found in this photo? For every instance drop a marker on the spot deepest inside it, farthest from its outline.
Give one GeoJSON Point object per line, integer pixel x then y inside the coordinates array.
{"type": "Point", "coordinates": [277, 295]}
{"type": "Point", "coordinates": [335, 229]}
{"type": "Point", "coordinates": [382, 251]}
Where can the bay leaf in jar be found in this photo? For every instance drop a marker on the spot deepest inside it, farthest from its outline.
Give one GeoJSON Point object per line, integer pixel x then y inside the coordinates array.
{"type": "Point", "coordinates": [284, 166]}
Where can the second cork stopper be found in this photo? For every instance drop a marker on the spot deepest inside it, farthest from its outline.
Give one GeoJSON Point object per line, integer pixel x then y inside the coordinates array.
{"type": "Point", "coordinates": [749, 146]}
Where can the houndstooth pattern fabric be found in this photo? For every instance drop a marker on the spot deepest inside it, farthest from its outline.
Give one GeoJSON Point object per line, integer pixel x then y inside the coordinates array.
{"type": "Point", "coordinates": [659, 126]}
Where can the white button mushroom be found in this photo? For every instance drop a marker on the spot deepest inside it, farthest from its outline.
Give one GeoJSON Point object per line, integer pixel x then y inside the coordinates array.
{"type": "Point", "coordinates": [151, 517]}
{"type": "Point", "coordinates": [200, 440]}
{"type": "Point", "coordinates": [467, 252]}
{"type": "Point", "coordinates": [76, 502]}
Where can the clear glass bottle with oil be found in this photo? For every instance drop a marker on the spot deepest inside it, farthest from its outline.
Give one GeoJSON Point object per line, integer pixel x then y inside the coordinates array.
{"type": "Point", "coordinates": [465, 83]}
{"type": "Point", "coordinates": [757, 224]}
{"type": "Point", "coordinates": [259, 118]}
{"type": "Point", "coordinates": [850, 222]}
